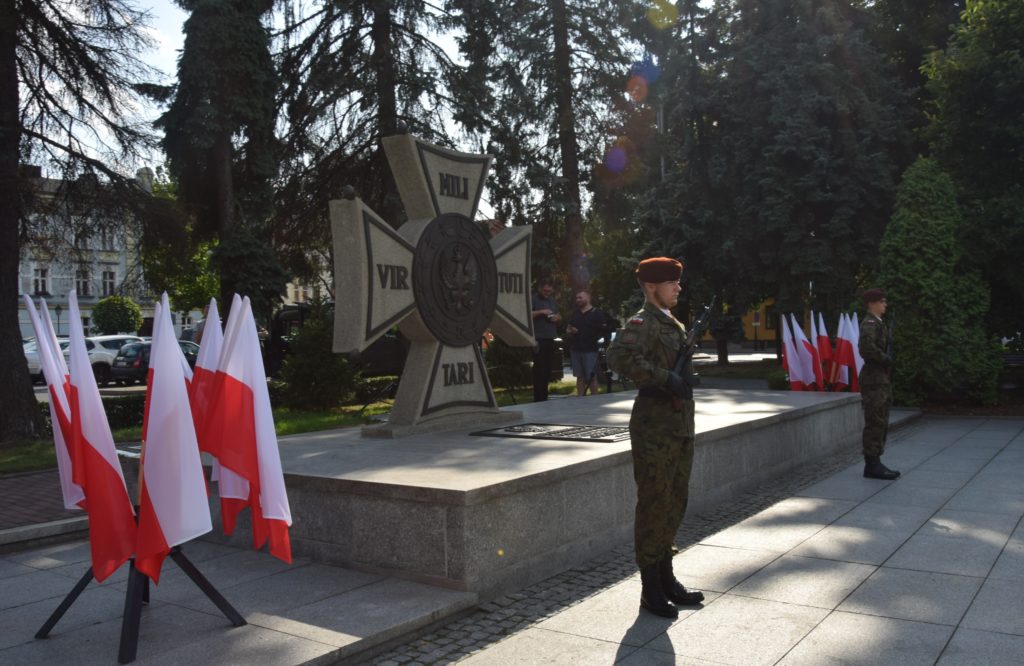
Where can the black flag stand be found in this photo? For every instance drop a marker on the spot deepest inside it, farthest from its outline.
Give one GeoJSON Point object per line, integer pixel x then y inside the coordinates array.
{"type": "Point", "coordinates": [138, 594]}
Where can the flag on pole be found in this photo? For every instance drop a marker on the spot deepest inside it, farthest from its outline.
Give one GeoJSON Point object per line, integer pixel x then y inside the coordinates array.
{"type": "Point", "coordinates": [60, 410]}
{"type": "Point", "coordinates": [819, 371]}
{"type": "Point", "coordinates": [843, 364]}
{"type": "Point", "coordinates": [95, 466]}
{"type": "Point", "coordinates": [173, 506]}
{"type": "Point", "coordinates": [241, 422]}
{"type": "Point", "coordinates": [855, 342]}
{"type": "Point", "coordinates": [791, 359]}
{"type": "Point", "coordinates": [824, 348]}
{"type": "Point", "coordinates": [808, 357]}
{"type": "Point", "coordinates": [206, 368]}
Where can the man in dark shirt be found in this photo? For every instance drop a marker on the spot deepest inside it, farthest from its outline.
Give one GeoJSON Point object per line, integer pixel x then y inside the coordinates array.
{"type": "Point", "coordinates": [545, 330]}
{"type": "Point", "coordinates": [587, 325]}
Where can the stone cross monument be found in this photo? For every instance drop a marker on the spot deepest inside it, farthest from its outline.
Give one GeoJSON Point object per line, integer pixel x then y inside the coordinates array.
{"type": "Point", "coordinates": [439, 279]}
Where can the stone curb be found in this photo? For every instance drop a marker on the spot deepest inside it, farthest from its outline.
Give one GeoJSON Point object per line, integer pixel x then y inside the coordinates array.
{"type": "Point", "coordinates": [26, 536]}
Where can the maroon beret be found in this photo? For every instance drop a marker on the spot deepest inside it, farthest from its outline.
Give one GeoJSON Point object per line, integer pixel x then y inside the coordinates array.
{"type": "Point", "coordinates": [659, 269]}
{"type": "Point", "coordinates": [873, 295]}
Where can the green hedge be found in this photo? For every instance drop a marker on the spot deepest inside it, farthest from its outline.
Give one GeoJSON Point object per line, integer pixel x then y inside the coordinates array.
{"type": "Point", "coordinates": [123, 411]}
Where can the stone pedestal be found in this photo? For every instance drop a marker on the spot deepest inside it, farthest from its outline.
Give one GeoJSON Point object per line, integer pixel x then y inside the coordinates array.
{"type": "Point", "coordinates": [495, 514]}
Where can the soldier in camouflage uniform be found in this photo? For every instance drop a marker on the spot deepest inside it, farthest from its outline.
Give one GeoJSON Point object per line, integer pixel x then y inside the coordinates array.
{"type": "Point", "coordinates": [661, 431]}
{"type": "Point", "coordinates": [875, 384]}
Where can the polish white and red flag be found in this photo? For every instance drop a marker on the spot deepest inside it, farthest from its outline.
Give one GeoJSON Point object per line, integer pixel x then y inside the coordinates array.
{"type": "Point", "coordinates": [55, 375]}
{"type": "Point", "coordinates": [843, 362]}
{"type": "Point", "coordinates": [824, 348]}
{"type": "Point", "coordinates": [809, 358]}
{"type": "Point", "coordinates": [858, 360]}
{"type": "Point", "coordinates": [791, 359]}
{"type": "Point", "coordinates": [241, 425]}
{"type": "Point", "coordinates": [173, 506]}
{"type": "Point", "coordinates": [95, 467]}
{"type": "Point", "coordinates": [200, 392]}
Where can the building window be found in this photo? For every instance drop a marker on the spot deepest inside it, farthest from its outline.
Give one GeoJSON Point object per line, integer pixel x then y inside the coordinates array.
{"type": "Point", "coordinates": [106, 239]}
{"type": "Point", "coordinates": [82, 286]}
{"type": "Point", "coordinates": [82, 240]}
{"type": "Point", "coordinates": [86, 322]}
{"type": "Point", "coordinates": [109, 280]}
{"type": "Point", "coordinates": [41, 281]}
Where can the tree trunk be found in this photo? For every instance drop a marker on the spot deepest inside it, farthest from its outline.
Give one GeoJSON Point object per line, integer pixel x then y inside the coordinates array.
{"type": "Point", "coordinates": [383, 60]}
{"type": "Point", "coordinates": [722, 347]}
{"type": "Point", "coordinates": [19, 418]}
{"type": "Point", "coordinates": [223, 205]}
{"type": "Point", "coordinates": [568, 144]}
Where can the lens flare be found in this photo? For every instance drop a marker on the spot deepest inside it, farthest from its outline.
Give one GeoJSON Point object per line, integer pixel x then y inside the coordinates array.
{"type": "Point", "coordinates": [616, 159]}
{"type": "Point", "coordinates": [636, 87]}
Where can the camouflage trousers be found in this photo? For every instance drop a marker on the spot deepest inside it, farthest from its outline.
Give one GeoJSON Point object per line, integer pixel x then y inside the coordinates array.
{"type": "Point", "coordinates": [662, 441]}
{"type": "Point", "coordinates": [876, 400]}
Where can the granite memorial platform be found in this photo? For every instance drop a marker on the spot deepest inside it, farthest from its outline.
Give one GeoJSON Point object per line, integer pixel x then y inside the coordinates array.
{"type": "Point", "coordinates": [491, 513]}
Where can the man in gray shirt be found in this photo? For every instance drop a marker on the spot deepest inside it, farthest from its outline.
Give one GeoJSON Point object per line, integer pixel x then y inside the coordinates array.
{"type": "Point", "coordinates": [545, 330]}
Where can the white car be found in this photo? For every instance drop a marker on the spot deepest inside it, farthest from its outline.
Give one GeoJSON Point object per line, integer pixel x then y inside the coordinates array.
{"type": "Point", "coordinates": [32, 356]}
{"type": "Point", "coordinates": [102, 350]}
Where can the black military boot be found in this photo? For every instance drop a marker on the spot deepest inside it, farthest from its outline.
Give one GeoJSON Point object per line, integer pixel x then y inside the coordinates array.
{"type": "Point", "coordinates": [874, 469]}
{"type": "Point", "coordinates": [674, 590]}
{"type": "Point", "coordinates": [652, 596]}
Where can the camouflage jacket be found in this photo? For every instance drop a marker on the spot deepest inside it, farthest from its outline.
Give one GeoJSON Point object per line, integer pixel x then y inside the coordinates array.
{"type": "Point", "coordinates": [646, 348]}
{"type": "Point", "coordinates": [874, 349]}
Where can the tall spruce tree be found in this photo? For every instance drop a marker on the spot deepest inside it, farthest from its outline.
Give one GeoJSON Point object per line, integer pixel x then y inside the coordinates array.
{"type": "Point", "coordinates": [811, 124]}
{"type": "Point", "coordinates": [355, 72]}
{"type": "Point", "coordinates": [942, 349]}
{"type": "Point", "coordinates": [68, 72]}
{"type": "Point", "coordinates": [219, 140]}
{"type": "Point", "coordinates": [547, 75]}
{"type": "Point", "coordinates": [977, 134]}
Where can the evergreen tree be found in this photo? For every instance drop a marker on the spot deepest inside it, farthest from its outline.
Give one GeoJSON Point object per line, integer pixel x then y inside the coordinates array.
{"type": "Point", "coordinates": [547, 76]}
{"type": "Point", "coordinates": [219, 130]}
{"type": "Point", "coordinates": [942, 349]}
{"type": "Point", "coordinates": [355, 72]}
{"type": "Point", "coordinates": [977, 134]}
{"type": "Point", "coordinates": [68, 72]}
{"type": "Point", "coordinates": [805, 165]}
{"type": "Point", "coordinates": [908, 31]}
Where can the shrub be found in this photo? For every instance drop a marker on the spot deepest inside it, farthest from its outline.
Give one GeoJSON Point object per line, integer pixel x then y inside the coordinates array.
{"type": "Point", "coordinates": [942, 349]}
{"type": "Point", "coordinates": [116, 314]}
{"type": "Point", "coordinates": [508, 367]}
{"type": "Point", "coordinates": [315, 376]}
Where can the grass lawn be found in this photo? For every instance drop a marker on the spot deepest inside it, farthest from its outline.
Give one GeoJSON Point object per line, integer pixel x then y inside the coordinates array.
{"type": "Point", "coordinates": [39, 454]}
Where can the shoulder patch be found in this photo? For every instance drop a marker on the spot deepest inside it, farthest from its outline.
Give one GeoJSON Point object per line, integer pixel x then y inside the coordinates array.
{"type": "Point", "coordinates": [629, 338]}
{"type": "Point", "coordinates": [636, 319]}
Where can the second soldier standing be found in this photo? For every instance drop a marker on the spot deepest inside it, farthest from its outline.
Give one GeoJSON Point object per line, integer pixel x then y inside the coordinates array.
{"type": "Point", "coordinates": [661, 432]}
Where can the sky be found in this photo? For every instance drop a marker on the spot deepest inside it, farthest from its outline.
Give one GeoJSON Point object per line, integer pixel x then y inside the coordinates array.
{"type": "Point", "coordinates": [166, 22]}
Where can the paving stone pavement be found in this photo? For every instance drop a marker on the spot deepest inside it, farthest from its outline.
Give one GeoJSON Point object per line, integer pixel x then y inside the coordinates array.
{"type": "Point", "coordinates": [31, 497]}
{"type": "Point", "coordinates": [957, 510]}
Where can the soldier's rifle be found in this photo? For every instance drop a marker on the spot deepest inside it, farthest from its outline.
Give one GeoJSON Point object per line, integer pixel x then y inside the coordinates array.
{"type": "Point", "coordinates": [690, 346]}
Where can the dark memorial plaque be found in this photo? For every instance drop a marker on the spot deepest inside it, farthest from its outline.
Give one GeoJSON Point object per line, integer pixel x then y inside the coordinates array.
{"type": "Point", "coordinates": [563, 431]}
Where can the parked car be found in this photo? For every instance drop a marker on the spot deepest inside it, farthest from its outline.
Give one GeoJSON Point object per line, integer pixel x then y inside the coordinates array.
{"type": "Point", "coordinates": [32, 356]}
{"type": "Point", "coordinates": [102, 351]}
{"type": "Point", "coordinates": [132, 363]}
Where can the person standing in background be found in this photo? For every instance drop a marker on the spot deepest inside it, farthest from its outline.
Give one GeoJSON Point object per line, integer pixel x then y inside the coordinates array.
{"type": "Point", "coordinates": [875, 385]}
{"type": "Point", "coordinates": [545, 330]}
{"type": "Point", "coordinates": [587, 325]}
